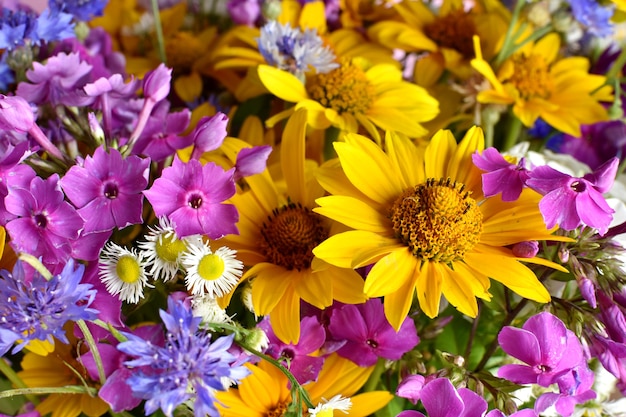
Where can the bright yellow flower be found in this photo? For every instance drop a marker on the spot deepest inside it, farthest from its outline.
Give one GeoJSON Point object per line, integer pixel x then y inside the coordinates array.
{"type": "Point", "coordinates": [276, 235]}
{"type": "Point", "coordinates": [264, 392]}
{"type": "Point", "coordinates": [422, 219]}
{"type": "Point", "coordinates": [539, 85]}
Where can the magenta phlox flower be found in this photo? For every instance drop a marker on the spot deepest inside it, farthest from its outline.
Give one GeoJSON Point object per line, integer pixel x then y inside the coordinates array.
{"type": "Point", "coordinates": [44, 223]}
{"type": "Point", "coordinates": [574, 388]}
{"type": "Point", "coordinates": [108, 92]}
{"type": "Point", "coordinates": [88, 245]}
{"type": "Point", "coordinates": [13, 171]}
{"type": "Point", "coordinates": [58, 81]}
{"type": "Point", "coordinates": [526, 412]}
{"type": "Point", "coordinates": [208, 134]}
{"type": "Point", "coordinates": [296, 357]}
{"type": "Point", "coordinates": [441, 399]}
{"type": "Point", "coordinates": [15, 114]}
{"type": "Point", "coordinates": [411, 388]}
{"type": "Point", "coordinates": [569, 201]}
{"type": "Point", "coordinates": [107, 188]}
{"type": "Point", "coordinates": [369, 335]}
{"type": "Point", "coordinates": [547, 347]}
{"type": "Point", "coordinates": [501, 176]}
{"type": "Point", "coordinates": [251, 161]}
{"type": "Point", "coordinates": [244, 12]}
{"type": "Point", "coordinates": [192, 196]}
{"type": "Point", "coordinates": [163, 134]}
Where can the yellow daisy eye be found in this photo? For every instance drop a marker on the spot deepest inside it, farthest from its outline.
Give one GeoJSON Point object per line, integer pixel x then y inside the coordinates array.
{"type": "Point", "coordinates": [531, 76]}
{"type": "Point", "coordinates": [455, 31]}
{"type": "Point", "coordinates": [437, 220]}
{"type": "Point", "coordinates": [211, 267]}
{"type": "Point", "coordinates": [345, 89]}
{"type": "Point", "coordinates": [168, 247]}
{"type": "Point", "coordinates": [290, 235]}
{"type": "Point", "coordinates": [128, 269]}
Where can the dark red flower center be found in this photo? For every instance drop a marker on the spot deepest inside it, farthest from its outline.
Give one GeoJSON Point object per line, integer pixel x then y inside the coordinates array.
{"type": "Point", "coordinates": [40, 220]}
{"type": "Point", "coordinates": [578, 186]}
{"type": "Point", "coordinates": [195, 201]}
{"type": "Point", "coordinates": [111, 190]}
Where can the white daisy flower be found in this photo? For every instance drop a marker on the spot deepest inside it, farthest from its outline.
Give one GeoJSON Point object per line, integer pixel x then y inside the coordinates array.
{"type": "Point", "coordinates": [163, 249]}
{"type": "Point", "coordinates": [207, 307]}
{"type": "Point", "coordinates": [123, 272]}
{"type": "Point", "coordinates": [326, 409]}
{"type": "Point", "coordinates": [213, 274]}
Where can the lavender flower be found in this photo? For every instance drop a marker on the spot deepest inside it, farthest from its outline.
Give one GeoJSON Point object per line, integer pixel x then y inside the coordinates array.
{"type": "Point", "coordinates": [188, 367]}
{"type": "Point", "coordinates": [209, 134]}
{"type": "Point", "coordinates": [369, 335]}
{"type": "Point", "coordinates": [191, 196]}
{"type": "Point", "coordinates": [251, 161]}
{"type": "Point", "coordinates": [501, 176]}
{"type": "Point", "coordinates": [12, 171]}
{"type": "Point", "coordinates": [574, 388]}
{"type": "Point", "coordinates": [83, 10]}
{"type": "Point", "coordinates": [108, 91]}
{"type": "Point", "coordinates": [15, 114]}
{"type": "Point", "coordinates": [17, 27]}
{"type": "Point", "coordinates": [296, 357]}
{"type": "Point", "coordinates": [38, 309]}
{"type": "Point", "coordinates": [163, 133]}
{"type": "Point", "coordinates": [244, 12]}
{"type": "Point", "coordinates": [45, 223]}
{"type": "Point", "coordinates": [411, 388]}
{"type": "Point", "coordinates": [595, 17]}
{"type": "Point", "coordinates": [107, 188]}
{"type": "Point", "coordinates": [570, 202]}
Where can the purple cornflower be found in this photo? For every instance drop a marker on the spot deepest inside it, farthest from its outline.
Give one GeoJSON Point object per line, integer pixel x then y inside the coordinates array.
{"type": "Point", "coordinates": [191, 196]}
{"type": "Point", "coordinates": [369, 335]}
{"type": "Point", "coordinates": [84, 10]}
{"type": "Point", "coordinates": [107, 188]}
{"type": "Point", "coordinates": [296, 357]}
{"type": "Point", "coordinates": [59, 81]}
{"type": "Point", "coordinates": [501, 176]}
{"type": "Point", "coordinates": [251, 161]}
{"type": "Point", "coordinates": [38, 309]}
{"type": "Point", "coordinates": [547, 347]}
{"type": "Point", "coordinates": [569, 201]}
{"type": "Point", "coordinates": [190, 366]}
{"type": "Point", "coordinates": [17, 27]}
{"type": "Point", "coordinates": [595, 18]}
{"type": "Point", "coordinates": [45, 223]}
{"type": "Point", "coordinates": [163, 133]}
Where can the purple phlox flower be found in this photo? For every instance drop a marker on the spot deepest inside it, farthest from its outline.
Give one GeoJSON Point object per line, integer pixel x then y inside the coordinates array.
{"type": "Point", "coordinates": [588, 290]}
{"type": "Point", "coordinates": [38, 310]}
{"type": "Point", "coordinates": [163, 134]}
{"type": "Point", "coordinates": [83, 10]}
{"type": "Point", "coordinates": [526, 412]}
{"type": "Point", "coordinates": [595, 17]}
{"type": "Point", "coordinates": [296, 357]}
{"type": "Point", "coordinates": [570, 202]}
{"type": "Point", "coordinates": [526, 249]}
{"type": "Point", "coordinates": [441, 399]}
{"type": "Point", "coordinates": [58, 81]}
{"type": "Point", "coordinates": [163, 375]}
{"type": "Point", "coordinates": [368, 333]}
{"type": "Point", "coordinates": [15, 114]}
{"type": "Point", "coordinates": [574, 388]}
{"type": "Point", "coordinates": [192, 196]}
{"type": "Point", "coordinates": [244, 12]}
{"type": "Point", "coordinates": [411, 388]}
{"type": "Point", "coordinates": [251, 161]}
{"type": "Point", "coordinates": [107, 188]}
{"type": "Point", "coordinates": [12, 171]}
{"type": "Point", "coordinates": [87, 246]}
{"type": "Point", "coordinates": [45, 223]}
{"type": "Point", "coordinates": [501, 176]}
{"type": "Point", "coordinates": [115, 390]}
{"type": "Point", "coordinates": [547, 347]}
{"type": "Point", "coordinates": [208, 134]}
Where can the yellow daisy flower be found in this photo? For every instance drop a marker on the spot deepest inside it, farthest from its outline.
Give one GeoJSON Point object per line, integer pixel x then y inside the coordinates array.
{"type": "Point", "coordinates": [422, 219]}
{"type": "Point", "coordinates": [277, 234]}
{"type": "Point", "coordinates": [264, 392]}
{"type": "Point", "coordinates": [539, 84]}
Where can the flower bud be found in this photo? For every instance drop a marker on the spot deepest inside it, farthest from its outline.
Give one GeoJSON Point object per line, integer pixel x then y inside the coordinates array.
{"type": "Point", "coordinates": [15, 114]}
{"type": "Point", "coordinates": [156, 83]}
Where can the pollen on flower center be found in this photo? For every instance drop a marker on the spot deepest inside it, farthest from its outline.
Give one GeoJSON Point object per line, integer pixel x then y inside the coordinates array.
{"type": "Point", "coordinates": [278, 411]}
{"type": "Point", "coordinates": [111, 190]}
{"type": "Point", "coordinates": [128, 269]}
{"type": "Point", "coordinates": [41, 220]}
{"type": "Point", "coordinates": [168, 247]}
{"type": "Point", "coordinates": [531, 76]}
{"type": "Point", "coordinates": [289, 236]}
{"type": "Point", "coordinates": [454, 31]}
{"type": "Point", "coordinates": [195, 201]}
{"type": "Point", "coordinates": [211, 267]}
{"type": "Point", "coordinates": [345, 89]}
{"type": "Point", "coordinates": [183, 49]}
{"type": "Point", "coordinates": [578, 186]}
{"type": "Point", "coordinates": [437, 220]}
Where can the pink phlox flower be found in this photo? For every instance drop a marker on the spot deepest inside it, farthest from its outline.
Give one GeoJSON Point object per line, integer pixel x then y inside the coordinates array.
{"type": "Point", "coordinates": [163, 134]}
{"type": "Point", "coordinates": [569, 201]}
{"type": "Point", "coordinates": [574, 388]}
{"type": "Point", "coordinates": [107, 188]}
{"type": "Point", "coordinates": [297, 357]}
{"type": "Point", "coordinates": [192, 196]}
{"type": "Point", "coordinates": [251, 161]}
{"type": "Point", "coordinates": [208, 134]}
{"type": "Point", "coordinates": [501, 176]}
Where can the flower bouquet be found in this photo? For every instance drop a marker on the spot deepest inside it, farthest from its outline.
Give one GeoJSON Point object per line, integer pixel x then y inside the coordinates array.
{"type": "Point", "coordinates": [268, 208]}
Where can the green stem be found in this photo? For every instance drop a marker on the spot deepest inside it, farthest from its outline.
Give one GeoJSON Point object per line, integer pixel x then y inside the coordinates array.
{"type": "Point", "coordinates": [332, 133]}
{"type": "Point", "coordinates": [116, 333]}
{"type": "Point", "coordinates": [94, 350]}
{"type": "Point", "coordinates": [69, 389]}
{"type": "Point", "coordinates": [374, 379]}
{"type": "Point", "coordinates": [472, 335]}
{"type": "Point", "coordinates": [159, 30]}
{"type": "Point", "coordinates": [15, 379]}
{"type": "Point", "coordinates": [508, 38]}
{"type": "Point", "coordinates": [513, 130]}
{"type": "Point", "coordinates": [617, 66]}
{"type": "Point", "coordinates": [36, 264]}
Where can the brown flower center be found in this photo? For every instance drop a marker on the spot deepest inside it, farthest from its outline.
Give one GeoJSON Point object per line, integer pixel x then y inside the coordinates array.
{"type": "Point", "coordinates": [278, 410]}
{"type": "Point", "coordinates": [289, 236]}
{"type": "Point", "coordinates": [437, 220]}
{"type": "Point", "coordinates": [183, 49]}
{"type": "Point", "coordinates": [454, 31]}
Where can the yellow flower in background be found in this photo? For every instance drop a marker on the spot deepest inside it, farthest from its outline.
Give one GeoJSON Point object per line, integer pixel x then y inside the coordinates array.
{"type": "Point", "coordinates": [264, 392]}
{"type": "Point", "coordinates": [540, 85]}
{"type": "Point", "coordinates": [277, 233]}
{"type": "Point", "coordinates": [446, 34]}
{"type": "Point", "coordinates": [421, 218]}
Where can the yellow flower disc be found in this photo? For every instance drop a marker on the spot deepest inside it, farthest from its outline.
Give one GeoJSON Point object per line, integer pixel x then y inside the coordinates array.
{"type": "Point", "coordinates": [437, 220]}
{"type": "Point", "coordinates": [345, 89]}
{"type": "Point", "coordinates": [531, 76]}
{"type": "Point", "coordinates": [211, 267]}
{"type": "Point", "coordinates": [168, 247]}
{"type": "Point", "coordinates": [183, 49]}
{"type": "Point", "coordinates": [290, 235]}
{"type": "Point", "coordinates": [127, 269]}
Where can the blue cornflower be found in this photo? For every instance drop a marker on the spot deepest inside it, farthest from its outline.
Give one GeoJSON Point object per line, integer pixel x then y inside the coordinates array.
{"type": "Point", "coordinates": [21, 27]}
{"type": "Point", "coordinates": [83, 10]}
{"type": "Point", "coordinates": [188, 367]}
{"type": "Point", "coordinates": [295, 51]}
{"type": "Point", "coordinates": [595, 17]}
{"type": "Point", "coordinates": [37, 309]}
{"type": "Point", "coordinates": [7, 76]}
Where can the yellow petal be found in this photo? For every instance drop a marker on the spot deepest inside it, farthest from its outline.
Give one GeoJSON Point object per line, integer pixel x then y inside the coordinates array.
{"type": "Point", "coordinates": [406, 158]}
{"type": "Point", "coordinates": [354, 213]}
{"type": "Point", "coordinates": [367, 403]}
{"type": "Point", "coordinates": [313, 16]}
{"type": "Point", "coordinates": [341, 249]}
{"type": "Point", "coordinates": [347, 285]}
{"type": "Point", "coordinates": [292, 156]}
{"type": "Point", "coordinates": [391, 273]}
{"type": "Point", "coordinates": [460, 167]}
{"type": "Point", "coordinates": [457, 291]}
{"type": "Point", "coordinates": [188, 87]}
{"type": "Point", "coordinates": [398, 303]}
{"type": "Point", "coordinates": [269, 286]}
{"type": "Point", "coordinates": [428, 288]}
{"type": "Point", "coordinates": [316, 288]}
{"type": "Point", "coordinates": [285, 317]}
{"type": "Point", "coordinates": [282, 84]}
{"type": "Point", "coordinates": [439, 152]}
